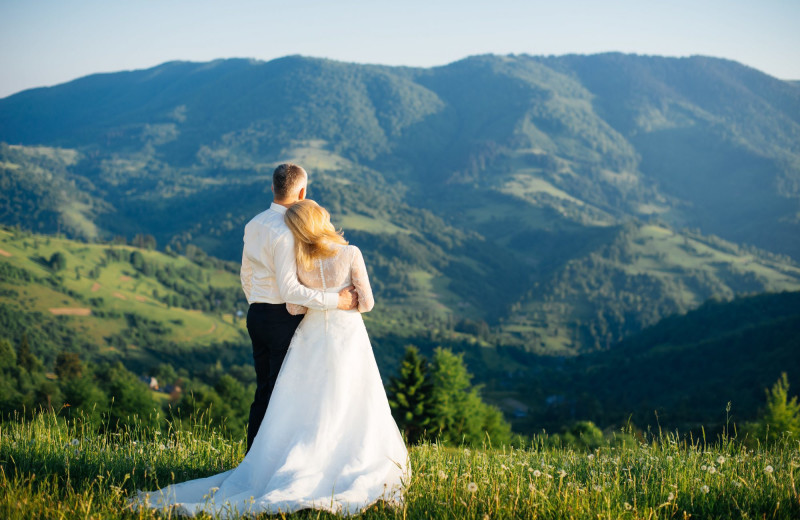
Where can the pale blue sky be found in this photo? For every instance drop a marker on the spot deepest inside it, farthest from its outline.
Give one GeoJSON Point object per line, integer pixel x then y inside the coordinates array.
{"type": "Point", "coordinates": [45, 42]}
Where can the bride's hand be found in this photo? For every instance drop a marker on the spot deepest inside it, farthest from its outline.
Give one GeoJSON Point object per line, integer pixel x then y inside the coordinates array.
{"type": "Point", "coordinates": [348, 298]}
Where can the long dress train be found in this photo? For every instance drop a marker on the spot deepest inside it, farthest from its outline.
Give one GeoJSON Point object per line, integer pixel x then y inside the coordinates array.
{"type": "Point", "coordinates": [328, 440]}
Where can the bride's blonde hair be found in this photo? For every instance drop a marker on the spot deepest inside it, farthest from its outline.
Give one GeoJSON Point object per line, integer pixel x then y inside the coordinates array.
{"type": "Point", "coordinates": [314, 235]}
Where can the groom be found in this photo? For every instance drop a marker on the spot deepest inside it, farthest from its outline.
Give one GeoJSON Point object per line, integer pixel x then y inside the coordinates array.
{"type": "Point", "coordinates": [269, 280]}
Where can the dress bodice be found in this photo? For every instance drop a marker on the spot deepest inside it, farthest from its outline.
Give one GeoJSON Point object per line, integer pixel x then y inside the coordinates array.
{"type": "Point", "coordinates": [335, 273]}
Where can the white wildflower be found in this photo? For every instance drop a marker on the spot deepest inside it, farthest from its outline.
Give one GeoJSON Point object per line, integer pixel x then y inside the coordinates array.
{"type": "Point", "coordinates": [704, 467]}
{"type": "Point", "coordinates": [669, 458]}
{"type": "Point", "coordinates": [503, 467]}
{"type": "Point", "coordinates": [562, 473]}
{"type": "Point", "coordinates": [531, 470]}
{"type": "Point", "coordinates": [537, 473]}
{"type": "Point", "coordinates": [532, 488]}
{"type": "Point", "coordinates": [704, 489]}
{"type": "Point", "coordinates": [590, 456]}
{"type": "Point", "coordinates": [768, 469]}
{"type": "Point", "coordinates": [472, 487]}
{"type": "Point", "coordinates": [75, 442]}
{"type": "Point", "coordinates": [671, 497]}
{"type": "Point", "coordinates": [442, 475]}
{"type": "Point", "coordinates": [597, 488]}
{"type": "Point", "coordinates": [720, 460]}
{"type": "Point", "coordinates": [628, 507]}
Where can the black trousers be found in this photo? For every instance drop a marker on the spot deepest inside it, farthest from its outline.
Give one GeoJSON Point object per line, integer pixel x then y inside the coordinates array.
{"type": "Point", "coordinates": [271, 328]}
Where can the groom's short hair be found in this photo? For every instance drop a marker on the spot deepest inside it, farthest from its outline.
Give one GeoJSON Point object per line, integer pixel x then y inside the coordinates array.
{"type": "Point", "coordinates": [285, 178]}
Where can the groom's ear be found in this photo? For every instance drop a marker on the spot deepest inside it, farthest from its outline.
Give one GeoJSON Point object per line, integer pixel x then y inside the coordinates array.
{"type": "Point", "coordinates": [302, 194]}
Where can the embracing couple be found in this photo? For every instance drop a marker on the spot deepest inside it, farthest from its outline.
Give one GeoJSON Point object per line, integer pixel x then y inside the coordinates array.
{"type": "Point", "coordinates": [321, 434]}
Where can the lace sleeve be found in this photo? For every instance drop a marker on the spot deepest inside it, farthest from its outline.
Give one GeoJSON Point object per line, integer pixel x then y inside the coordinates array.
{"type": "Point", "coordinates": [295, 309]}
{"type": "Point", "coordinates": [359, 277]}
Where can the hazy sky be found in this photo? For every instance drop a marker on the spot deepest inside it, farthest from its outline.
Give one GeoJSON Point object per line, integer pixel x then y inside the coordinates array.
{"type": "Point", "coordinates": [45, 42]}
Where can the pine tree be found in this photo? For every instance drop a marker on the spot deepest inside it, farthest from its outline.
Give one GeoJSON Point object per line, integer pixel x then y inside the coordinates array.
{"type": "Point", "coordinates": [460, 414]}
{"type": "Point", "coordinates": [451, 399]}
{"type": "Point", "coordinates": [68, 366]}
{"type": "Point", "coordinates": [58, 261]}
{"type": "Point", "coordinates": [25, 358]}
{"type": "Point", "coordinates": [781, 415]}
{"type": "Point", "coordinates": [410, 396]}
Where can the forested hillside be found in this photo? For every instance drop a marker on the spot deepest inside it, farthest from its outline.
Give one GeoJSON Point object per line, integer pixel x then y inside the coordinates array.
{"type": "Point", "coordinates": [70, 307]}
{"type": "Point", "coordinates": [568, 200]}
{"type": "Point", "coordinates": [680, 373]}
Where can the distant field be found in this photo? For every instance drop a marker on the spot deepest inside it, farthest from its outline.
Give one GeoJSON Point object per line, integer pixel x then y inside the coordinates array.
{"type": "Point", "coordinates": [365, 223]}
{"type": "Point", "coordinates": [117, 288]}
{"type": "Point", "coordinates": [649, 262]}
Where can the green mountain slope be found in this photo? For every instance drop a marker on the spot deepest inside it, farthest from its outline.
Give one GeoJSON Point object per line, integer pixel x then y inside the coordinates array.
{"type": "Point", "coordinates": [118, 302]}
{"type": "Point", "coordinates": [641, 276]}
{"type": "Point", "coordinates": [718, 138]}
{"type": "Point", "coordinates": [115, 301]}
{"type": "Point", "coordinates": [495, 188]}
{"type": "Point", "coordinates": [686, 369]}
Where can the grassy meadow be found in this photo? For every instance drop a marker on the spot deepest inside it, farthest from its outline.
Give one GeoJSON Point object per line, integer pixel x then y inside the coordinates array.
{"type": "Point", "coordinates": [51, 469]}
{"type": "Point", "coordinates": [95, 304]}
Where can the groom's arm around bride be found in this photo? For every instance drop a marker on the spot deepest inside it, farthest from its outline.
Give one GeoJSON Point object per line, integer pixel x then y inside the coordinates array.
{"type": "Point", "coordinates": [269, 280]}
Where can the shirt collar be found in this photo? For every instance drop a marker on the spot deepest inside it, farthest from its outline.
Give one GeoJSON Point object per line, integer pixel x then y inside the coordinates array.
{"type": "Point", "coordinates": [277, 207]}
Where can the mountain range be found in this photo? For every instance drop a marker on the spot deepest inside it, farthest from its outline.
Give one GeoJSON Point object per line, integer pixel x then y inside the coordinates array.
{"type": "Point", "coordinates": [563, 202]}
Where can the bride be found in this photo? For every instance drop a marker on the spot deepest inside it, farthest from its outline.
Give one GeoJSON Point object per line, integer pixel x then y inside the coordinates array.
{"type": "Point", "coordinates": [328, 440]}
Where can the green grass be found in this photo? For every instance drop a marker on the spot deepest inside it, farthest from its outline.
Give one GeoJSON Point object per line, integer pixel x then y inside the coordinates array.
{"type": "Point", "coordinates": [662, 250]}
{"type": "Point", "coordinates": [314, 156]}
{"type": "Point", "coordinates": [49, 469]}
{"type": "Point", "coordinates": [526, 185]}
{"type": "Point", "coordinates": [370, 224]}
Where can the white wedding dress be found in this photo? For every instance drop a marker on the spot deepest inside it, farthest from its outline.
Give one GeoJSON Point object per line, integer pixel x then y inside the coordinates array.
{"type": "Point", "coordinates": [328, 440]}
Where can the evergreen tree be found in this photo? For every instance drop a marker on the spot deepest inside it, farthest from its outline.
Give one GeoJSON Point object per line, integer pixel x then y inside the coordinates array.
{"type": "Point", "coordinates": [68, 366]}
{"type": "Point", "coordinates": [450, 381]}
{"type": "Point", "coordinates": [25, 358]}
{"type": "Point", "coordinates": [459, 413]}
{"type": "Point", "coordinates": [10, 398]}
{"type": "Point", "coordinates": [58, 261]}
{"type": "Point", "coordinates": [410, 396]}
{"type": "Point", "coordinates": [137, 260]}
{"type": "Point", "coordinates": [8, 358]}
{"type": "Point", "coordinates": [781, 415]}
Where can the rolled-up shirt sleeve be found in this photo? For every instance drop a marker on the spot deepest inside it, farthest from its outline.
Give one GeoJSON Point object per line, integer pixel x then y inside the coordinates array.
{"type": "Point", "coordinates": [291, 290]}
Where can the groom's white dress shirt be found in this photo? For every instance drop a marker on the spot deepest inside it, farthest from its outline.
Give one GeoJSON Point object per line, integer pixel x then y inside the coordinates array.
{"type": "Point", "coordinates": [269, 267]}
